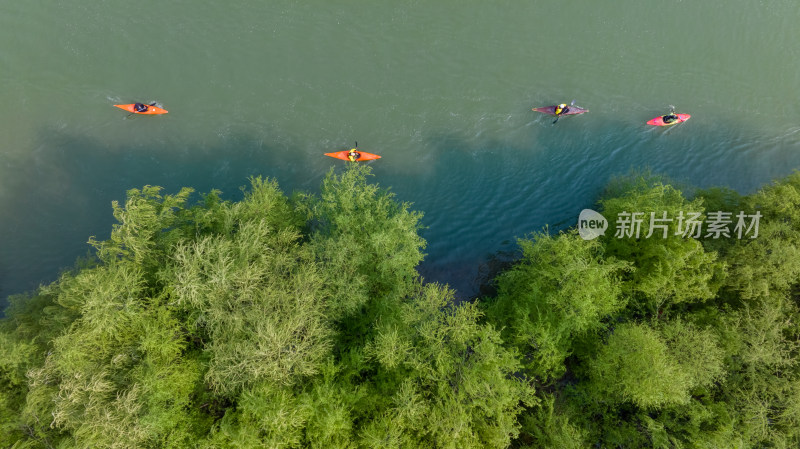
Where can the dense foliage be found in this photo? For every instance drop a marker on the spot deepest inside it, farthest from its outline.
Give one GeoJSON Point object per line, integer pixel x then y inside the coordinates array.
{"type": "Point", "coordinates": [285, 322]}
{"type": "Point", "coordinates": [666, 341]}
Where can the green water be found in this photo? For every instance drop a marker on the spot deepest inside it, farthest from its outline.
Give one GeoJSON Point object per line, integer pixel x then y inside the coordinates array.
{"type": "Point", "coordinates": [442, 90]}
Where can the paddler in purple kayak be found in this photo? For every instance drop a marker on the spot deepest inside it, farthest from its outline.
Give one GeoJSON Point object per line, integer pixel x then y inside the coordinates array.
{"type": "Point", "coordinates": [561, 109]}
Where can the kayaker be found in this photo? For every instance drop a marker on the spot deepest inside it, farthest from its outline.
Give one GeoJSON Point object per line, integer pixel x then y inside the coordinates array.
{"type": "Point", "coordinates": [669, 118]}
{"type": "Point", "coordinates": [562, 109]}
{"type": "Point", "coordinates": [139, 107]}
{"type": "Point", "coordinates": [353, 155]}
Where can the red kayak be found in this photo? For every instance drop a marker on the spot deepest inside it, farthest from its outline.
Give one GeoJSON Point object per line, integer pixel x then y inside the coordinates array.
{"type": "Point", "coordinates": [571, 110]}
{"type": "Point", "coordinates": [364, 156]}
{"type": "Point", "coordinates": [151, 110]}
{"type": "Point", "coordinates": [659, 121]}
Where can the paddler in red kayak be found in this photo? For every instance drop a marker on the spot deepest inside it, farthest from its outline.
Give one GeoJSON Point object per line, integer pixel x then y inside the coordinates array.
{"type": "Point", "coordinates": [671, 117]}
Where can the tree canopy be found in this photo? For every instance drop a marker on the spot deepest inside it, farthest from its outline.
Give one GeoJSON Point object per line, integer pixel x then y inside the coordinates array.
{"type": "Point", "coordinates": [301, 321]}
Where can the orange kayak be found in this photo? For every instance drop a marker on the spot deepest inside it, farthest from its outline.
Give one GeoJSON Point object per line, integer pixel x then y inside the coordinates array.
{"type": "Point", "coordinates": [151, 110]}
{"type": "Point", "coordinates": [343, 155]}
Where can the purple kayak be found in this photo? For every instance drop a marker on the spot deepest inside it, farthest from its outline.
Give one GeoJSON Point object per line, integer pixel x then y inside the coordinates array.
{"type": "Point", "coordinates": [571, 110]}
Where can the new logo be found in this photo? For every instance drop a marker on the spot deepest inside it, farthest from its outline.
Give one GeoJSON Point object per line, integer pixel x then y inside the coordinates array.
{"type": "Point", "coordinates": [591, 224]}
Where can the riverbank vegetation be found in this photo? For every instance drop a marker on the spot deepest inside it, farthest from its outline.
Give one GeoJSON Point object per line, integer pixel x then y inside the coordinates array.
{"type": "Point", "coordinates": [300, 321]}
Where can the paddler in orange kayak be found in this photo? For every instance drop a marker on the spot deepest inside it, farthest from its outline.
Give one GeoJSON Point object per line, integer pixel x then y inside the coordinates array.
{"type": "Point", "coordinates": [353, 155]}
{"type": "Point", "coordinates": [140, 107]}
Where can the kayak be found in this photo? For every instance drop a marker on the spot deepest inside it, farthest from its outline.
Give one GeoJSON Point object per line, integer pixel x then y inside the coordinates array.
{"type": "Point", "coordinates": [659, 121]}
{"type": "Point", "coordinates": [151, 110]}
{"type": "Point", "coordinates": [343, 155]}
{"type": "Point", "coordinates": [571, 110]}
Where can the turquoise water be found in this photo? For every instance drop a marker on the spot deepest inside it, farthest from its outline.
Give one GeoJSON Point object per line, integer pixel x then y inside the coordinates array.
{"type": "Point", "coordinates": [442, 90]}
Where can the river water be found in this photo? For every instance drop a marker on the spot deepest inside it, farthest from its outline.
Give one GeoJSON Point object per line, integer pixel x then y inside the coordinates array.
{"type": "Point", "coordinates": [443, 90]}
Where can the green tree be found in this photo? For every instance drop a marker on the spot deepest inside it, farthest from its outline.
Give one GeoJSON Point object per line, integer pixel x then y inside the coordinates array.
{"type": "Point", "coordinates": [764, 371]}
{"type": "Point", "coordinates": [670, 267]}
{"type": "Point", "coordinates": [253, 295]}
{"type": "Point", "coordinates": [768, 266]}
{"type": "Point", "coordinates": [117, 376]}
{"type": "Point", "coordinates": [561, 289]}
{"type": "Point", "coordinates": [635, 366]}
{"type": "Point", "coordinates": [369, 245]}
{"type": "Point", "coordinates": [30, 323]}
{"type": "Point", "coordinates": [449, 380]}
